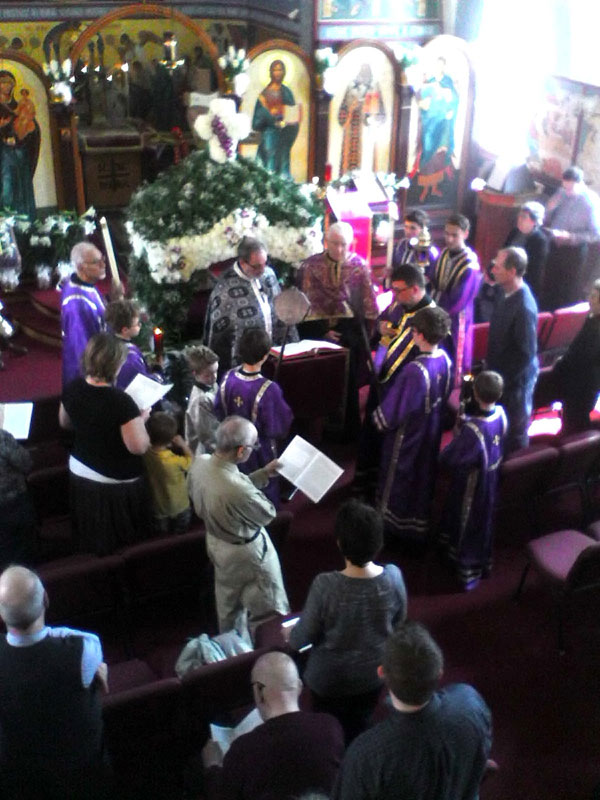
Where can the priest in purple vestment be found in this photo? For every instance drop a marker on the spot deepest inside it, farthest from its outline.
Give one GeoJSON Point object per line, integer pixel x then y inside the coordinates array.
{"type": "Point", "coordinates": [339, 286]}
{"type": "Point", "coordinates": [81, 308]}
{"type": "Point", "coordinates": [244, 392]}
{"type": "Point", "coordinates": [473, 460]}
{"type": "Point", "coordinates": [455, 282]}
{"type": "Point", "coordinates": [410, 418]}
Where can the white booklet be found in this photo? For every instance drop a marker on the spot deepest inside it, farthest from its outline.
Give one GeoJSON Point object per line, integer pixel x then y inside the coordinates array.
{"type": "Point", "coordinates": [146, 392]}
{"type": "Point", "coordinates": [225, 736]}
{"type": "Point", "coordinates": [15, 418]}
{"type": "Point", "coordinates": [308, 468]}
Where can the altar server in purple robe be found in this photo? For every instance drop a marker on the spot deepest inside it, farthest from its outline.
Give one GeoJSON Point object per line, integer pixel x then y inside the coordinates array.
{"type": "Point", "coordinates": [455, 281]}
{"type": "Point", "coordinates": [123, 318]}
{"type": "Point", "coordinates": [246, 393]}
{"type": "Point", "coordinates": [415, 247]}
{"type": "Point", "coordinates": [473, 460]}
{"type": "Point", "coordinates": [410, 417]}
{"type": "Point", "coordinates": [81, 308]}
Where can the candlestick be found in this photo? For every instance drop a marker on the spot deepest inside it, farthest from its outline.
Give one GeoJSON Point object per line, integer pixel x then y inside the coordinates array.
{"type": "Point", "coordinates": [114, 272]}
{"type": "Point", "coordinates": [158, 343]}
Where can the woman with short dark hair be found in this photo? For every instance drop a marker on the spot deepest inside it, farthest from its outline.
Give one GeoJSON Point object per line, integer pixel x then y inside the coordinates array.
{"type": "Point", "coordinates": [109, 499]}
{"type": "Point", "coordinates": [347, 618]}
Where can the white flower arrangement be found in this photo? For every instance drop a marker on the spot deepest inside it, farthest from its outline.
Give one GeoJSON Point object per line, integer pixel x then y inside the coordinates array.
{"type": "Point", "coordinates": [223, 127]}
{"type": "Point", "coordinates": [60, 75]}
{"type": "Point", "coordinates": [233, 62]}
{"type": "Point", "coordinates": [325, 59]}
{"type": "Point", "coordinates": [176, 260]}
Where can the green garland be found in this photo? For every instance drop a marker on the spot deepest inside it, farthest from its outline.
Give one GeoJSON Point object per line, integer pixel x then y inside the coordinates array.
{"type": "Point", "coordinates": [189, 199]}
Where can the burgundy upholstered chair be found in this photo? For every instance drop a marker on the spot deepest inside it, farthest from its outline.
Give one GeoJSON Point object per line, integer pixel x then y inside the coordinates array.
{"type": "Point", "coordinates": [569, 561]}
{"type": "Point", "coordinates": [144, 731]}
{"type": "Point", "coordinates": [523, 477]}
{"type": "Point", "coordinates": [578, 456]}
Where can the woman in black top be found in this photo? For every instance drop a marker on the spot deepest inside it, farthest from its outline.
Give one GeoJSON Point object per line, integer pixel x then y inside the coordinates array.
{"type": "Point", "coordinates": [109, 501]}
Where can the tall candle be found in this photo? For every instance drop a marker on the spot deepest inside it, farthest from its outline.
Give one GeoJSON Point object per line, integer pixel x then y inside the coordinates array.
{"type": "Point", "coordinates": [114, 272]}
{"type": "Point", "coordinates": [327, 173]}
{"type": "Point", "coordinates": [158, 343]}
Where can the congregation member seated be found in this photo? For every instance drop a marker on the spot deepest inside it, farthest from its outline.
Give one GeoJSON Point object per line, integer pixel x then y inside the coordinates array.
{"type": "Point", "coordinates": [122, 317]}
{"type": "Point", "coordinates": [410, 419]}
{"type": "Point", "coordinates": [243, 298]}
{"type": "Point", "coordinates": [473, 460]}
{"type": "Point", "coordinates": [167, 463]}
{"type": "Point", "coordinates": [109, 494]}
{"type": "Point", "coordinates": [17, 516]}
{"type": "Point", "coordinates": [291, 752]}
{"type": "Point", "coordinates": [455, 280]}
{"type": "Point", "coordinates": [201, 421]}
{"type": "Point", "coordinates": [512, 343]}
{"type": "Point", "coordinates": [247, 393]}
{"type": "Point", "coordinates": [50, 713]}
{"type": "Point", "coordinates": [575, 378]}
{"type": "Point", "coordinates": [347, 618]}
{"type": "Point", "coordinates": [434, 743]}
{"type": "Point", "coordinates": [248, 582]}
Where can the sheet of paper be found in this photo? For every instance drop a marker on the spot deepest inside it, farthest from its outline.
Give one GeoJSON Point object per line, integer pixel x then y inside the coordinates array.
{"type": "Point", "coordinates": [308, 468]}
{"type": "Point", "coordinates": [146, 392]}
{"type": "Point", "coordinates": [16, 418]}
{"type": "Point", "coordinates": [225, 736]}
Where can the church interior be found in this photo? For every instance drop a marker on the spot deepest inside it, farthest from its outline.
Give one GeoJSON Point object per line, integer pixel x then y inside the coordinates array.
{"type": "Point", "coordinates": [111, 132]}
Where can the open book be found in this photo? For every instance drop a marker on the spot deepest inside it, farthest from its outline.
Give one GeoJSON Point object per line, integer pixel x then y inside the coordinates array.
{"type": "Point", "coordinates": [304, 347]}
{"type": "Point", "coordinates": [146, 392]}
{"type": "Point", "coordinates": [225, 736]}
{"type": "Point", "coordinates": [308, 468]}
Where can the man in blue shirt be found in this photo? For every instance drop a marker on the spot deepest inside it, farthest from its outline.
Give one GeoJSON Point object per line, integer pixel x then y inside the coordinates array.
{"type": "Point", "coordinates": [512, 343]}
{"type": "Point", "coordinates": [50, 715]}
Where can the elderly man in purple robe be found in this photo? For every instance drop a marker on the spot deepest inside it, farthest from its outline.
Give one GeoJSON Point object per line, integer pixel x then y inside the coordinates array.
{"type": "Point", "coordinates": [82, 308]}
{"type": "Point", "coordinates": [473, 460]}
{"type": "Point", "coordinates": [246, 393]}
{"type": "Point", "coordinates": [410, 418]}
{"type": "Point", "coordinates": [123, 318]}
{"type": "Point", "coordinates": [339, 287]}
{"type": "Point", "coordinates": [455, 282]}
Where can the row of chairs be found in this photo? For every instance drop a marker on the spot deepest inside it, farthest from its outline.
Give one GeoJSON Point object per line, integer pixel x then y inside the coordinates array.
{"type": "Point", "coordinates": [550, 480]}
{"type": "Point", "coordinates": [555, 332]}
{"type": "Point", "coordinates": [153, 729]}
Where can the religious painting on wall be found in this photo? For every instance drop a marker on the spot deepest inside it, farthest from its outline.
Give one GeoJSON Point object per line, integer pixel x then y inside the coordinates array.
{"type": "Point", "coordinates": [553, 133]}
{"type": "Point", "coordinates": [278, 102]}
{"type": "Point", "coordinates": [344, 20]}
{"type": "Point", "coordinates": [440, 124]}
{"type": "Point", "coordinates": [27, 177]}
{"type": "Point", "coordinates": [566, 130]}
{"type": "Point", "coordinates": [361, 112]}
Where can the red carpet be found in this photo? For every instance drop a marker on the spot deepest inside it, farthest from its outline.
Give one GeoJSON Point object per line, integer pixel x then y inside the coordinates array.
{"type": "Point", "coordinates": [34, 376]}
